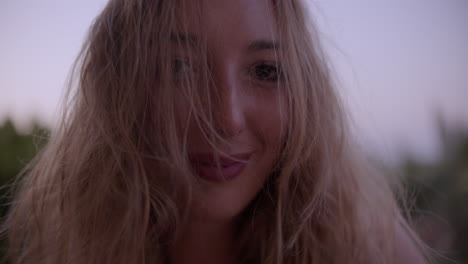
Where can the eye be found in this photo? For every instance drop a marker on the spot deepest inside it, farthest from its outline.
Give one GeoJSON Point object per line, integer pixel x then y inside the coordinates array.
{"type": "Point", "coordinates": [181, 67]}
{"type": "Point", "coordinates": [269, 72]}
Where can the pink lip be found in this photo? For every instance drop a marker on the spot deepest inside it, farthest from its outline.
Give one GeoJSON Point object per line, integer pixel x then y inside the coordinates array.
{"type": "Point", "coordinates": [206, 167]}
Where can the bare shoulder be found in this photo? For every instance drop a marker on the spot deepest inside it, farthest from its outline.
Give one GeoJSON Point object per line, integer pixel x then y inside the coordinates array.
{"type": "Point", "coordinates": [407, 250]}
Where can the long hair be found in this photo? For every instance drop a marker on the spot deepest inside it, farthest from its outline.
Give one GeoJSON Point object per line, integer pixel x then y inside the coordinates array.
{"type": "Point", "coordinates": [113, 184]}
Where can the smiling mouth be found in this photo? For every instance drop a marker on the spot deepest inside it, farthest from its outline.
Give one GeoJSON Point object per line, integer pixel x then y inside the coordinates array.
{"type": "Point", "coordinates": [221, 168]}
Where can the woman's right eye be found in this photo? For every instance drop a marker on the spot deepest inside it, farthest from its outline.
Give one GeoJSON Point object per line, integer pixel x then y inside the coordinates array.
{"type": "Point", "coordinates": [181, 67]}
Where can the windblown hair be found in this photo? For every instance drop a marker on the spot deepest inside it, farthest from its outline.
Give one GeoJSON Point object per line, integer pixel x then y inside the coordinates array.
{"type": "Point", "coordinates": [113, 184]}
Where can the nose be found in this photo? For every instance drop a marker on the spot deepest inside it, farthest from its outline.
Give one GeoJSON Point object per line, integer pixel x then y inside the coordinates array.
{"type": "Point", "coordinates": [229, 108]}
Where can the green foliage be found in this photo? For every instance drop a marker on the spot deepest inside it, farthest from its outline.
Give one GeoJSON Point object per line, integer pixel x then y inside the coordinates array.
{"type": "Point", "coordinates": [16, 150]}
{"type": "Point", "coordinates": [440, 194]}
{"type": "Point", "coordinates": [440, 189]}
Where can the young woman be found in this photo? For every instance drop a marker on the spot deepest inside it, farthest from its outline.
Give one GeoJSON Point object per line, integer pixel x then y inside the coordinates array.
{"type": "Point", "coordinates": [204, 132]}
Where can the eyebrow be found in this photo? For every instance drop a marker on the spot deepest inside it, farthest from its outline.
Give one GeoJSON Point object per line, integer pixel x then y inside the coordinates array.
{"type": "Point", "coordinates": [191, 39]}
{"type": "Point", "coordinates": [257, 45]}
{"type": "Point", "coordinates": [263, 44]}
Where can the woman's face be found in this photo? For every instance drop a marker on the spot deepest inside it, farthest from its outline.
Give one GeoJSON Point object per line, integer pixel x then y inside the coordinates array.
{"type": "Point", "coordinates": [250, 109]}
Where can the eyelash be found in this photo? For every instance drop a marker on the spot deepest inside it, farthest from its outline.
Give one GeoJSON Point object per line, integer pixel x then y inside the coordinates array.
{"type": "Point", "coordinates": [181, 66]}
{"type": "Point", "coordinates": [261, 71]}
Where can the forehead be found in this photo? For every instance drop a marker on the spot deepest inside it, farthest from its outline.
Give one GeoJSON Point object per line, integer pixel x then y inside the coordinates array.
{"type": "Point", "coordinates": [228, 21]}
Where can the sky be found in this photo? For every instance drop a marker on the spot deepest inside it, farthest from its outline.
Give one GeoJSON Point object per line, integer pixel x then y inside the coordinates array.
{"type": "Point", "coordinates": [397, 63]}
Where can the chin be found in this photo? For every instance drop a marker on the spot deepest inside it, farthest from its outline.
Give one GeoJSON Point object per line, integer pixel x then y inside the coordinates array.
{"type": "Point", "coordinates": [222, 202]}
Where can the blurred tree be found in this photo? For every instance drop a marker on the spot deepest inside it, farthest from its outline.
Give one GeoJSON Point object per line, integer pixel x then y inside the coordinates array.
{"type": "Point", "coordinates": [16, 150]}
{"type": "Point", "coordinates": [440, 189]}
{"type": "Point", "coordinates": [440, 194]}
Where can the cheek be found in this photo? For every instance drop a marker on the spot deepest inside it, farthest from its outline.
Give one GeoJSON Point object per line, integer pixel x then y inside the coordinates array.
{"type": "Point", "coordinates": [269, 122]}
{"type": "Point", "coordinates": [187, 127]}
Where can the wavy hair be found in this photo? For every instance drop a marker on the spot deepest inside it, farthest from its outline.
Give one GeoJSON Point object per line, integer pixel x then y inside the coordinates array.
{"type": "Point", "coordinates": [113, 184]}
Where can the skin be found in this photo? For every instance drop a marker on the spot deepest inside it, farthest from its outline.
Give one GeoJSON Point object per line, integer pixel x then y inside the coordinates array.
{"type": "Point", "coordinates": [250, 114]}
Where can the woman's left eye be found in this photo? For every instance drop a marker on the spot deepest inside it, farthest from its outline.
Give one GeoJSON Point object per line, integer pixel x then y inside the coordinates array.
{"type": "Point", "coordinates": [267, 72]}
{"type": "Point", "coordinates": [181, 66]}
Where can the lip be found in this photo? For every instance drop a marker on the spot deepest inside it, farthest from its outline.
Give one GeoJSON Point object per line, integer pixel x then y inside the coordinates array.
{"type": "Point", "coordinates": [206, 166]}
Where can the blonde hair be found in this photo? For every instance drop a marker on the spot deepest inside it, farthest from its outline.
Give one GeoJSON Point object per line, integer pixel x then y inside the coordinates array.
{"type": "Point", "coordinates": [103, 190]}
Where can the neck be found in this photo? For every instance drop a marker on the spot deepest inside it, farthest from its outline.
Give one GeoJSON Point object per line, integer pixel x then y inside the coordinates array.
{"type": "Point", "coordinates": [206, 242]}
